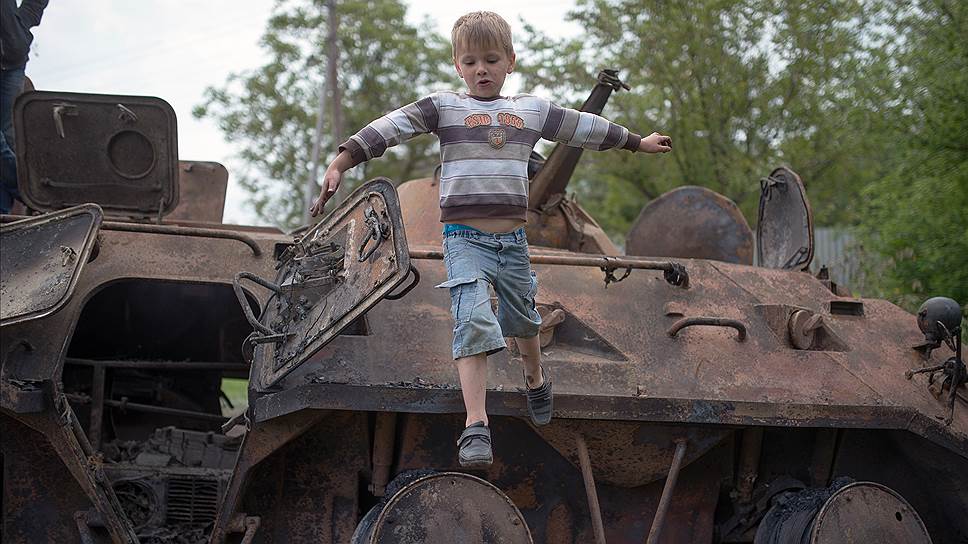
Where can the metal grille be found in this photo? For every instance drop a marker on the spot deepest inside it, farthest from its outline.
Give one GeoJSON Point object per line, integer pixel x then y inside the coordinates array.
{"type": "Point", "coordinates": [192, 500]}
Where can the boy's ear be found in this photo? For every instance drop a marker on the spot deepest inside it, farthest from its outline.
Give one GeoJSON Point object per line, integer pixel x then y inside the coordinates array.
{"type": "Point", "coordinates": [511, 66]}
{"type": "Point", "coordinates": [457, 67]}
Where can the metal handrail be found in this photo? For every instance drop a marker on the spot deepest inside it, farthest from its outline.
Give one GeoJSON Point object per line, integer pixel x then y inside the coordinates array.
{"type": "Point", "coordinates": [183, 231]}
{"type": "Point", "coordinates": [199, 232]}
{"type": "Point", "coordinates": [675, 273]}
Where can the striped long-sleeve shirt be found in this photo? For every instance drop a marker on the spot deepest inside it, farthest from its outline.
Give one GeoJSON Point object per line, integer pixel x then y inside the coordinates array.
{"type": "Point", "coordinates": [485, 145]}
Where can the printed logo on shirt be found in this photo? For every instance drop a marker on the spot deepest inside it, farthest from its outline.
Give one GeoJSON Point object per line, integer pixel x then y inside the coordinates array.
{"type": "Point", "coordinates": [496, 137]}
{"type": "Point", "coordinates": [510, 120]}
{"type": "Point", "coordinates": [477, 120]}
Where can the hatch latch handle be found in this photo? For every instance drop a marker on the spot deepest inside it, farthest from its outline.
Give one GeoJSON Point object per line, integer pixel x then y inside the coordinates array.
{"type": "Point", "coordinates": [378, 232]}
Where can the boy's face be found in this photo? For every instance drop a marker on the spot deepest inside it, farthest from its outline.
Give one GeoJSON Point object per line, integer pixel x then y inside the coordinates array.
{"type": "Point", "coordinates": [483, 70]}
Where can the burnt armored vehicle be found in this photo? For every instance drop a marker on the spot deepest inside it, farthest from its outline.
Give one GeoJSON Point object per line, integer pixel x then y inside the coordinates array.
{"type": "Point", "coordinates": [699, 398]}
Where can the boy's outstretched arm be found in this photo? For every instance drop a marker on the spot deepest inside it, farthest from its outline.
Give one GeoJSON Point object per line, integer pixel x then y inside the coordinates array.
{"type": "Point", "coordinates": [372, 141]}
{"type": "Point", "coordinates": [584, 129]}
{"type": "Point", "coordinates": [331, 180]}
{"type": "Point", "coordinates": [656, 143]}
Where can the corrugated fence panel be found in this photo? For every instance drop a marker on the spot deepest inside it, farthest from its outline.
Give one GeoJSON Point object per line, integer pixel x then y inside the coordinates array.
{"type": "Point", "coordinates": [836, 248]}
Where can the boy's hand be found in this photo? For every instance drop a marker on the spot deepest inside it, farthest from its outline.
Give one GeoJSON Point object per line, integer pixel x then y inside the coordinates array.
{"type": "Point", "coordinates": [331, 180]}
{"type": "Point", "coordinates": [656, 143]}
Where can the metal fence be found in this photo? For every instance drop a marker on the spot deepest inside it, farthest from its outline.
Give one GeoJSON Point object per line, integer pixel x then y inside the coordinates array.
{"type": "Point", "coordinates": [839, 250]}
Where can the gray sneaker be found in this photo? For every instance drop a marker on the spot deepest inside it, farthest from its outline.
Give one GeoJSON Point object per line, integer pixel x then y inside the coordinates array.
{"type": "Point", "coordinates": [475, 446]}
{"type": "Point", "coordinates": [540, 400]}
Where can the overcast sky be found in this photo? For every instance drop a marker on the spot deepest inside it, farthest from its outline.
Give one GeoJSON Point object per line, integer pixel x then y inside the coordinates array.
{"type": "Point", "coordinates": [174, 49]}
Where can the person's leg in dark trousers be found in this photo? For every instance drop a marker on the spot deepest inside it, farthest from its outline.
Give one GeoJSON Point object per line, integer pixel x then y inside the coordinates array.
{"type": "Point", "coordinates": [11, 82]}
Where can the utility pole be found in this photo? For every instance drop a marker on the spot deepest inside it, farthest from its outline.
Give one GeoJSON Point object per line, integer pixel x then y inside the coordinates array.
{"type": "Point", "coordinates": [311, 188]}
{"type": "Point", "coordinates": [336, 119]}
{"type": "Point", "coordinates": [332, 57]}
{"type": "Point", "coordinates": [329, 83]}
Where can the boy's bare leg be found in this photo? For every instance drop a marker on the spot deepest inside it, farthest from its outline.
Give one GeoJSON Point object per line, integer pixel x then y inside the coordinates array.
{"type": "Point", "coordinates": [473, 384]}
{"type": "Point", "coordinates": [530, 349]}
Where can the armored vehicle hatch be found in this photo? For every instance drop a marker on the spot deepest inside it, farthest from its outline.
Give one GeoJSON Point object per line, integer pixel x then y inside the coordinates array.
{"type": "Point", "coordinates": [118, 151]}
{"type": "Point", "coordinates": [41, 260]}
{"type": "Point", "coordinates": [784, 227]}
{"type": "Point", "coordinates": [692, 222]}
{"type": "Point", "coordinates": [329, 277]}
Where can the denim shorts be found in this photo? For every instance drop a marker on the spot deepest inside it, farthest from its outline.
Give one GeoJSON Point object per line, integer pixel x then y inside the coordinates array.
{"type": "Point", "coordinates": [476, 261]}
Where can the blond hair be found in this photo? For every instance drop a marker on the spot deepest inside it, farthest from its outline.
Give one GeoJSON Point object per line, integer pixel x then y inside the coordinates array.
{"type": "Point", "coordinates": [484, 29]}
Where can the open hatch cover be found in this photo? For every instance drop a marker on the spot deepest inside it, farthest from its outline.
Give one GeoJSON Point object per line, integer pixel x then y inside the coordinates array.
{"type": "Point", "coordinates": [118, 151]}
{"type": "Point", "coordinates": [41, 260]}
{"type": "Point", "coordinates": [784, 228]}
{"type": "Point", "coordinates": [330, 276]}
{"type": "Point", "coordinates": [693, 223]}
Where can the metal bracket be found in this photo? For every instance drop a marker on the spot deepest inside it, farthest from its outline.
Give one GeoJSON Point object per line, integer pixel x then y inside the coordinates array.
{"type": "Point", "coordinates": [610, 77]}
{"type": "Point", "coordinates": [126, 115]}
{"type": "Point", "coordinates": [378, 232]}
{"type": "Point", "coordinates": [610, 274]}
{"type": "Point", "coordinates": [676, 275]}
{"type": "Point", "coordinates": [768, 183]}
{"type": "Point", "coordinates": [59, 111]}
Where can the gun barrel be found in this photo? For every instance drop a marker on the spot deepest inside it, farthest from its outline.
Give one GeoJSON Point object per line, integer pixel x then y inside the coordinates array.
{"type": "Point", "coordinates": [560, 165]}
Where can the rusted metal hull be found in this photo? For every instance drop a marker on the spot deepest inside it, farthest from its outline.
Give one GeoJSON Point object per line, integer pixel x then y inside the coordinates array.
{"type": "Point", "coordinates": [694, 398]}
{"type": "Point", "coordinates": [635, 381]}
{"type": "Point", "coordinates": [623, 384]}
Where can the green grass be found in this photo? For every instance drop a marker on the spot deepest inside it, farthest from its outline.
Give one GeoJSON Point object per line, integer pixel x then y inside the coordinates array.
{"type": "Point", "coordinates": [237, 391]}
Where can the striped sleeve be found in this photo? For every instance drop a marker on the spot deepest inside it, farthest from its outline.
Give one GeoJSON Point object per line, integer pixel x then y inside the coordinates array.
{"type": "Point", "coordinates": [582, 129]}
{"type": "Point", "coordinates": [400, 125]}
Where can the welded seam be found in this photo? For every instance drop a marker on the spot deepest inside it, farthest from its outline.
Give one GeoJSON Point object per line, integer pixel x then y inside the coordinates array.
{"type": "Point", "coordinates": [738, 286]}
{"type": "Point", "coordinates": [877, 394]}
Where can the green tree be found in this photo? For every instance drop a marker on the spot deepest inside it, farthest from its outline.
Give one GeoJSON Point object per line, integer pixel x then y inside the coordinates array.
{"type": "Point", "coordinates": [270, 112]}
{"type": "Point", "coordinates": [915, 223]}
{"type": "Point", "coordinates": [740, 85]}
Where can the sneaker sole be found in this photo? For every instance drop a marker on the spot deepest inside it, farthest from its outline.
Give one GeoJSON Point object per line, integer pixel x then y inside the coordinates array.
{"type": "Point", "coordinates": [539, 423]}
{"type": "Point", "coordinates": [475, 462]}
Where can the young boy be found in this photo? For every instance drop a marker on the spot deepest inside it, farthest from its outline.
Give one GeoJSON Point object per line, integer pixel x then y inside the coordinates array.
{"type": "Point", "coordinates": [485, 142]}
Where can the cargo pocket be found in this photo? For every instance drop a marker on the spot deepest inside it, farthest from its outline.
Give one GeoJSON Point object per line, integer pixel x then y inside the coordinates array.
{"type": "Point", "coordinates": [533, 292]}
{"type": "Point", "coordinates": [533, 288]}
{"type": "Point", "coordinates": [463, 297]}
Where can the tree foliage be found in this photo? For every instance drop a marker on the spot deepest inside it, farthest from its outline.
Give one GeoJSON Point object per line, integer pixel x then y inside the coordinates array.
{"type": "Point", "coordinates": [916, 218]}
{"type": "Point", "coordinates": [270, 112]}
{"type": "Point", "coordinates": [866, 99]}
{"type": "Point", "coordinates": [740, 85]}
